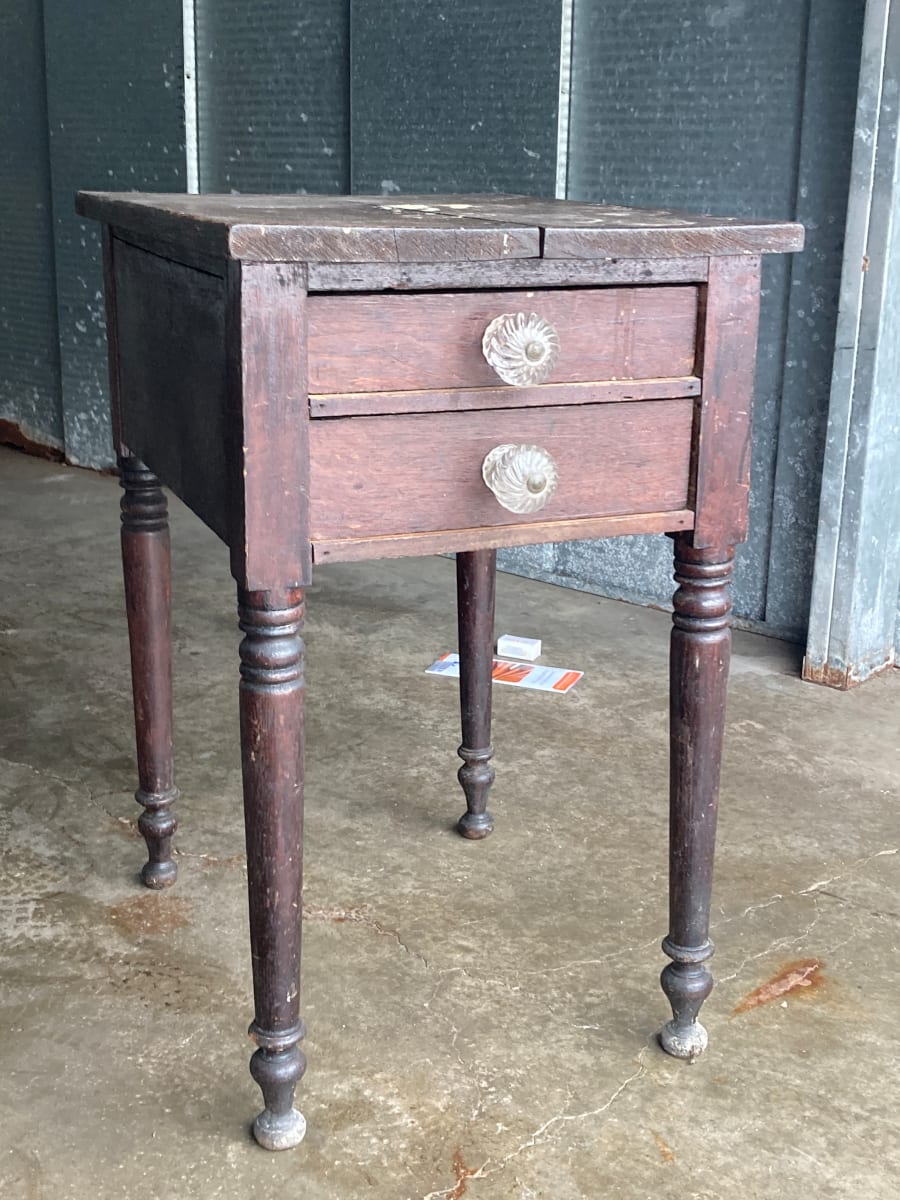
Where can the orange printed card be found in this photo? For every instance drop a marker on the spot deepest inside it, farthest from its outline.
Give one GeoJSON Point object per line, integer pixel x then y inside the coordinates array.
{"type": "Point", "coordinates": [527, 675]}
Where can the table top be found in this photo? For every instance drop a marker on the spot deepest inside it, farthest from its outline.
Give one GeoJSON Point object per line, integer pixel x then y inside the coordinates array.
{"type": "Point", "coordinates": [464, 228]}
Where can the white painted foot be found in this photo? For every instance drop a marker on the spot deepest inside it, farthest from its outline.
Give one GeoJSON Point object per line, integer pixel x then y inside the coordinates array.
{"type": "Point", "coordinates": [281, 1132]}
{"type": "Point", "coordinates": [684, 1041]}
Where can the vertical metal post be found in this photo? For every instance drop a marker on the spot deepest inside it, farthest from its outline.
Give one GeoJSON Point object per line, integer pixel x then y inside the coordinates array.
{"type": "Point", "coordinates": [565, 98]}
{"type": "Point", "coordinates": [853, 610]}
{"type": "Point", "coordinates": [191, 143]}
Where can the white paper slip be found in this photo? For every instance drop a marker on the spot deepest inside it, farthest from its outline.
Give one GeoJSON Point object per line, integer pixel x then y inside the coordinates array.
{"type": "Point", "coordinates": [527, 675]}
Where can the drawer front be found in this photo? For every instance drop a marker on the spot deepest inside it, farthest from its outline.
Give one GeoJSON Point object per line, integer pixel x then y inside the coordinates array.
{"type": "Point", "coordinates": [384, 476]}
{"type": "Point", "coordinates": [378, 343]}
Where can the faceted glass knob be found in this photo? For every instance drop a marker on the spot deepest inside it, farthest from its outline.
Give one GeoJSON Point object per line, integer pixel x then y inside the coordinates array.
{"type": "Point", "coordinates": [522, 348]}
{"type": "Point", "coordinates": [522, 478]}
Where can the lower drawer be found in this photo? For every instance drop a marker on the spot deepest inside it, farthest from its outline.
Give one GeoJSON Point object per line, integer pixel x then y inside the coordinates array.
{"type": "Point", "coordinates": [388, 476]}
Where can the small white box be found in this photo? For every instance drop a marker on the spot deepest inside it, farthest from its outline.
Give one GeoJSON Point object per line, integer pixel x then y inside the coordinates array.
{"type": "Point", "coordinates": [510, 645]}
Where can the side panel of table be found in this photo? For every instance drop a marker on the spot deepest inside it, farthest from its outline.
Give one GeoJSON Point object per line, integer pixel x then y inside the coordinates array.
{"type": "Point", "coordinates": [172, 377]}
{"type": "Point", "coordinates": [208, 406]}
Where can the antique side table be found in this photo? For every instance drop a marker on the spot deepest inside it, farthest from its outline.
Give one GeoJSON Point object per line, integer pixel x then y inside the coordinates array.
{"type": "Point", "coordinates": [322, 379]}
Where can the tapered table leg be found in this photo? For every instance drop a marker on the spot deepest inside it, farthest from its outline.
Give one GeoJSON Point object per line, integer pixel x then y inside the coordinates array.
{"type": "Point", "coordinates": [700, 651]}
{"type": "Point", "coordinates": [148, 601]}
{"type": "Point", "coordinates": [476, 574]}
{"type": "Point", "coordinates": [271, 711]}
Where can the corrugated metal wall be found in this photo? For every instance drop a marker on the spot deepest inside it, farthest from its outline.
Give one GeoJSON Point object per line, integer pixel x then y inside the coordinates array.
{"type": "Point", "coordinates": [742, 106]}
{"type": "Point", "coordinates": [29, 347]}
{"type": "Point", "coordinates": [273, 82]}
{"type": "Point", "coordinates": [115, 107]}
{"type": "Point", "coordinates": [91, 98]}
{"type": "Point", "coordinates": [455, 97]}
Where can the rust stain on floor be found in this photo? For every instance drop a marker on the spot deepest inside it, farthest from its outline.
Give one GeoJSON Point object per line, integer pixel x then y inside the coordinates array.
{"type": "Point", "coordinates": [665, 1150]}
{"type": "Point", "coordinates": [149, 914]}
{"type": "Point", "coordinates": [804, 973]}
{"type": "Point", "coordinates": [463, 1175]}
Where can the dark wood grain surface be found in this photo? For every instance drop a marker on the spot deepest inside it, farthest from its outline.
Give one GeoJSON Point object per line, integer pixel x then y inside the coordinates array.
{"type": "Point", "coordinates": [147, 570]}
{"type": "Point", "coordinates": [376, 476]}
{"type": "Point", "coordinates": [476, 585]}
{"type": "Point", "coordinates": [169, 377]}
{"type": "Point", "coordinates": [446, 541]}
{"type": "Point", "coordinates": [428, 228]}
{"type": "Point", "coordinates": [698, 678]}
{"type": "Point", "coordinates": [271, 717]}
{"type": "Point", "coordinates": [728, 354]}
{"type": "Point", "coordinates": [268, 423]}
{"type": "Point", "coordinates": [608, 391]}
{"type": "Point", "coordinates": [315, 228]}
{"type": "Point", "coordinates": [513, 273]}
{"type": "Point", "coordinates": [383, 343]}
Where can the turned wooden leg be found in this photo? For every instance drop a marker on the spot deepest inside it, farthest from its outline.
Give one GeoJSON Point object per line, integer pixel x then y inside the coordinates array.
{"type": "Point", "coordinates": [700, 651]}
{"type": "Point", "coordinates": [271, 704]}
{"type": "Point", "coordinates": [476, 574]}
{"type": "Point", "coordinates": [148, 602]}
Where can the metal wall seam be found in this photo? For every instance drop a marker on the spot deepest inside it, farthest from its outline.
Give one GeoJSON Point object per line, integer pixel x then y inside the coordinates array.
{"type": "Point", "coordinates": [191, 138]}
{"type": "Point", "coordinates": [567, 34]}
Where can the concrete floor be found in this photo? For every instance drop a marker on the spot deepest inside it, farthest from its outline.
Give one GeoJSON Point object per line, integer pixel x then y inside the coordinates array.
{"type": "Point", "coordinates": [481, 1016]}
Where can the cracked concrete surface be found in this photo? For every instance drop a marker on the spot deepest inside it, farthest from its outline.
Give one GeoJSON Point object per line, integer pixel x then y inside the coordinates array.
{"type": "Point", "coordinates": [481, 1015]}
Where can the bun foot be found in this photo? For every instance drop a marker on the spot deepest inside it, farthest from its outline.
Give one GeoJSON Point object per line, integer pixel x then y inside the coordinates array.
{"type": "Point", "coordinates": [279, 1131]}
{"type": "Point", "coordinates": [684, 1041]}
{"type": "Point", "coordinates": [475, 826]}
{"type": "Point", "coordinates": [159, 875]}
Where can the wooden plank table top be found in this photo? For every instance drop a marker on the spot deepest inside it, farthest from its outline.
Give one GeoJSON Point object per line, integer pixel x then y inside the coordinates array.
{"type": "Point", "coordinates": [378, 229]}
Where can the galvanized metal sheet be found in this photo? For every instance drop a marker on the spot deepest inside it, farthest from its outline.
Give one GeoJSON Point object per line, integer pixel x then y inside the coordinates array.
{"type": "Point", "coordinates": [116, 118]}
{"type": "Point", "coordinates": [823, 181]}
{"type": "Point", "coordinates": [455, 97]}
{"type": "Point", "coordinates": [272, 95]}
{"type": "Point", "coordinates": [853, 627]}
{"type": "Point", "coordinates": [29, 350]}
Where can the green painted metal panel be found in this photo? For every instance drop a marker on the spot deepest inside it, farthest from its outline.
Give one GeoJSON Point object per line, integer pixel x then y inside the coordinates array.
{"type": "Point", "coordinates": [272, 95]}
{"type": "Point", "coordinates": [455, 97]}
{"type": "Point", "coordinates": [29, 351]}
{"type": "Point", "coordinates": [116, 118]}
{"type": "Point", "coordinates": [741, 106]}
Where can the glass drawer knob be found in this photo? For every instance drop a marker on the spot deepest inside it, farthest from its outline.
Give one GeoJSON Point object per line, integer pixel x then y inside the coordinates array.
{"type": "Point", "coordinates": [522, 478]}
{"type": "Point", "coordinates": [522, 348]}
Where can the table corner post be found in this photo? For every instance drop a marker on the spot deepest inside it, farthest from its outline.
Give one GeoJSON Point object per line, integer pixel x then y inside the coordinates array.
{"type": "Point", "coordinates": [699, 660]}
{"type": "Point", "coordinates": [146, 563]}
{"type": "Point", "coordinates": [271, 721]}
{"type": "Point", "coordinates": [476, 574]}
{"type": "Point", "coordinates": [271, 562]}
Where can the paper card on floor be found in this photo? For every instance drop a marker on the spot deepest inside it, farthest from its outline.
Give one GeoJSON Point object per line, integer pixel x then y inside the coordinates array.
{"type": "Point", "coordinates": [527, 675]}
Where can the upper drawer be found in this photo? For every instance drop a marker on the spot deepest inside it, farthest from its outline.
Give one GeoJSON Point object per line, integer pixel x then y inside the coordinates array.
{"type": "Point", "coordinates": [376, 343]}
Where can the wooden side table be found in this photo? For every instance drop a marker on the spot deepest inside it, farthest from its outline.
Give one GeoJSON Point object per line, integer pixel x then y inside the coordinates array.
{"type": "Point", "coordinates": [323, 379]}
